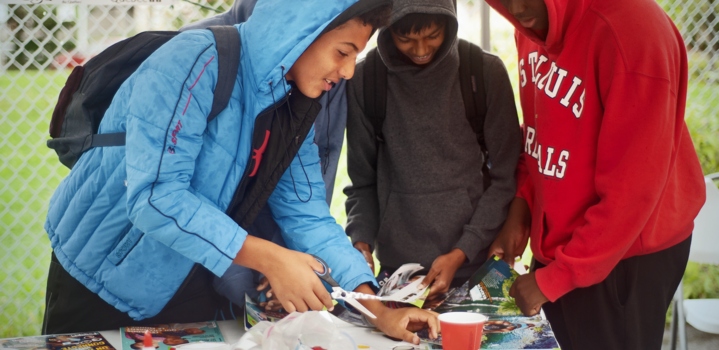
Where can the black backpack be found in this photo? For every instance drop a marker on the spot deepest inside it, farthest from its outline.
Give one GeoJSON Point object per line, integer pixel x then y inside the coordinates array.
{"type": "Point", "coordinates": [471, 80]}
{"type": "Point", "coordinates": [89, 90]}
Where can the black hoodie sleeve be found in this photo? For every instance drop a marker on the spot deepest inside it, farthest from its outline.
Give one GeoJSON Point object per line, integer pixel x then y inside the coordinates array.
{"type": "Point", "coordinates": [362, 203]}
{"type": "Point", "coordinates": [504, 142]}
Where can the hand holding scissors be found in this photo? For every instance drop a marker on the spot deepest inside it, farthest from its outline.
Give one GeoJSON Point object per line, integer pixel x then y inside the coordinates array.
{"type": "Point", "coordinates": [340, 294]}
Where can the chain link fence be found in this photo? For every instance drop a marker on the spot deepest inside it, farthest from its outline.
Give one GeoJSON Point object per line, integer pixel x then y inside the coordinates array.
{"type": "Point", "coordinates": [39, 44]}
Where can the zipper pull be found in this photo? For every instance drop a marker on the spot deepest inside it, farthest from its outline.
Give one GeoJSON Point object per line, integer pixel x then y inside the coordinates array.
{"type": "Point", "coordinates": [297, 140]}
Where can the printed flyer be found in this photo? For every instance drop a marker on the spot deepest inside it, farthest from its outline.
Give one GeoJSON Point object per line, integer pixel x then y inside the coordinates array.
{"type": "Point", "coordinates": [255, 312]}
{"type": "Point", "coordinates": [487, 292]}
{"type": "Point", "coordinates": [165, 336]}
{"type": "Point", "coordinates": [73, 341]}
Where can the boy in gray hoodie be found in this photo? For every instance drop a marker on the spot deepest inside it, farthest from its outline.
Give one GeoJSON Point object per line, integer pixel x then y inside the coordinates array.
{"type": "Point", "coordinates": [417, 193]}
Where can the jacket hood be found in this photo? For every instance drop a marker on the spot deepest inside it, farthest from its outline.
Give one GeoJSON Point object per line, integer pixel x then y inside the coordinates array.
{"type": "Point", "coordinates": [564, 18]}
{"type": "Point", "coordinates": [279, 31]}
{"type": "Point", "coordinates": [401, 8]}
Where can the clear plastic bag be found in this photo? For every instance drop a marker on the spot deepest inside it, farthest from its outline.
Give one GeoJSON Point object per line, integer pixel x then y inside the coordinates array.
{"type": "Point", "coordinates": [312, 330]}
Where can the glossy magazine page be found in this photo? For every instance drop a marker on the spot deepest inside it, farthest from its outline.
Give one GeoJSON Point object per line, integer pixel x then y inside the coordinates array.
{"type": "Point", "coordinates": [166, 336]}
{"type": "Point", "coordinates": [70, 341]}
{"type": "Point", "coordinates": [487, 292]}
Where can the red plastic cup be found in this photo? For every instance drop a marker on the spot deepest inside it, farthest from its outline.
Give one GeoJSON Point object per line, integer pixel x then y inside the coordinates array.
{"type": "Point", "coordinates": [462, 330]}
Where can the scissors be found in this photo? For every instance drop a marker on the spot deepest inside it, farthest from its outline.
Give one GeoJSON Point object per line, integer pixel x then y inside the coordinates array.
{"type": "Point", "coordinates": [340, 294]}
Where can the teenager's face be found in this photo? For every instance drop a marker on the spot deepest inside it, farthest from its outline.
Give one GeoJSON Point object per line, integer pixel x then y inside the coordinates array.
{"type": "Point", "coordinates": [420, 47]}
{"type": "Point", "coordinates": [531, 14]}
{"type": "Point", "coordinates": [331, 57]}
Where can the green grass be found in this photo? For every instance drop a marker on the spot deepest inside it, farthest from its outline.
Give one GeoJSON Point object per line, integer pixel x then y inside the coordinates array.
{"type": "Point", "coordinates": [29, 173]}
{"type": "Point", "coordinates": [703, 122]}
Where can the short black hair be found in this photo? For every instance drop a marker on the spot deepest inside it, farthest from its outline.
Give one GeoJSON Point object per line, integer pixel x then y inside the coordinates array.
{"type": "Point", "coordinates": [378, 17]}
{"type": "Point", "coordinates": [416, 22]}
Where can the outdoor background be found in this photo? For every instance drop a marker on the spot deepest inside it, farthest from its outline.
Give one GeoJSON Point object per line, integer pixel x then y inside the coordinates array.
{"type": "Point", "coordinates": [39, 44]}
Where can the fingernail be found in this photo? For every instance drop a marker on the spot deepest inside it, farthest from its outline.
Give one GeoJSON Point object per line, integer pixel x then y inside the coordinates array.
{"type": "Point", "coordinates": [331, 308]}
{"type": "Point", "coordinates": [421, 286]}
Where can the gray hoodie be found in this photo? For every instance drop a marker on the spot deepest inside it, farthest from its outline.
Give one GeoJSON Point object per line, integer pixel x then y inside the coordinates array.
{"type": "Point", "coordinates": [420, 194]}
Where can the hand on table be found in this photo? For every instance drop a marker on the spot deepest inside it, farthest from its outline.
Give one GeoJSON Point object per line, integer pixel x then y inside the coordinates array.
{"type": "Point", "coordinates": [527, 294]}
{"type": "Point", "coordinates": [514, 235]}
{"type": "Point", "coordinates": [401, 323]}
{"type": "Point", "coordinates": [442, 272]}
{"type": "Point", "coordinates": [366, 253]}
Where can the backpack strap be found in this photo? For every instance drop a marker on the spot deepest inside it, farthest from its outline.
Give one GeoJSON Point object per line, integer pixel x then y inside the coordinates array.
{"type": "Point", "coordinates": [228, 61]}
{"type": "Point", "coordinates": [375, 92]}
{"type": "Point", "coordinates": [104, 140]}
{"type": "Point", "coordinates": [471, 80]}
{"type": "Point", "coordinates": [227, 40]}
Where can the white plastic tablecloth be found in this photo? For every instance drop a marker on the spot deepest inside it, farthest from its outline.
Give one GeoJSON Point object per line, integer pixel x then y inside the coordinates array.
{"type": "Point", "coordinates": [232, 331]}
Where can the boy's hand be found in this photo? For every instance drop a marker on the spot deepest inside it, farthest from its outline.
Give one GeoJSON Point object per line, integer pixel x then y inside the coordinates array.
{"type": "Point", "coordinates": [527, 294]}
{"type": "Point", "coordinates": [510, 242]}
{"type": "Point", "coordinates": [442, 272]}
{"type": "Point", "coordinates": [273, 304]}
{"type": "Point", "coordinates": [401, 323]}
{"type": "Point", "coordinates": [366, 253]}
{"type": "Point", "coordinates": [291, 274]}
{"type": "Point", "coordinates": [296, 285]}
{"type": "Point", "coordinates": [514, 235]}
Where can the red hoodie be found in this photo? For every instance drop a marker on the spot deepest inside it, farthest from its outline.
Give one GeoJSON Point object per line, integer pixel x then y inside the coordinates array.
{"type": "Point", "coordinates": [608, 169]}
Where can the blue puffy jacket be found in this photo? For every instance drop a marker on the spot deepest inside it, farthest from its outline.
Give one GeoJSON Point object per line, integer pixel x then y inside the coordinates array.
{"type": "Point", "coordinates": [129, 222]}
{"type": "Point", "coordinates": [332, 119]}
{"type": "Point", "coordinates": [330, 125]}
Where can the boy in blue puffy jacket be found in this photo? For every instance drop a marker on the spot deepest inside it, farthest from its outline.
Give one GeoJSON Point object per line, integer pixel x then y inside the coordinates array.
{"type": "Point", "coordinates": [329, 137]}
{"type": "Point", "coordinates": [141, 227]}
